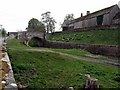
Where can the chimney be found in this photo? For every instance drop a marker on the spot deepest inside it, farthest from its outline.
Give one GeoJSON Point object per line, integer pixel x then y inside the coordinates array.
{"type": "Point", "coordinates": [81, 14]}
{"type": "Point", "coordinates": [88, 12]}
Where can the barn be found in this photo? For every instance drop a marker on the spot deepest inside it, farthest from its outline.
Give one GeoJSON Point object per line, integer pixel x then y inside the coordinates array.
{"type": "Point", "coordinates": [105, 18]}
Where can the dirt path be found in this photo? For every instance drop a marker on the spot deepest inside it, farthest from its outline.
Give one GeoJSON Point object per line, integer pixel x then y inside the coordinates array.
{"type": "Point", "coordinates": [80, 57]}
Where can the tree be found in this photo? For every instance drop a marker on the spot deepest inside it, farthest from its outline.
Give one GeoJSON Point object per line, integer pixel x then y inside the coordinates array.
{"type": "Point", "coordinates": [68, 18]}
{"type": "Point", "coordinates": [49, 22]}
{"type": "Point", "coordinates": [3, 32]}
{"type": "Point", "coordinates": [0, 30]}
{"type": "Point", "coordinates": [52, 25]}
{"type": "Point", "coordinates": [35, 25]}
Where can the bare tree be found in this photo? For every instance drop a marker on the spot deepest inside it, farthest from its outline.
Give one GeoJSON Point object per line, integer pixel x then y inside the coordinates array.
{"type": "Point", "coordinates": [49, 22]}
{"type": "Point", "coordinates": [68, 18]}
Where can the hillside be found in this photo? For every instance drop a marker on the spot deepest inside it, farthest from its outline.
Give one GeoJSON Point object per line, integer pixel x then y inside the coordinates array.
{"type": "Point", "coordinates": [102, 37]}
{"type": "Point", "coordinates": [40, 69]}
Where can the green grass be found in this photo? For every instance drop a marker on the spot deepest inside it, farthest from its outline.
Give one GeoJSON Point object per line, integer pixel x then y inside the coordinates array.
{"type": "Point", "coordinates": [83, 53]}
{"type": "Point", "coordinates": [14, 43]}
{"type": "Point", "coordinates": [102, 37]}
{"type": "Point", "coordinates": [36, 69]}
{"type": "Point", "coordinates": [50, 70]}
{"type": "Point", "coordinates": [77, 52]}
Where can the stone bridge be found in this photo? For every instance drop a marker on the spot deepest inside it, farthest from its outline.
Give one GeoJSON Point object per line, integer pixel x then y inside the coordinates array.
{"type": "Point", "coordinates": [27, 36]}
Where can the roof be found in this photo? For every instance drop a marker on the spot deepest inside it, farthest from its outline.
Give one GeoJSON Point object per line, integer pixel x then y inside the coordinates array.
{"type": "Point", "coordinates": [65, 23]}
{"type": "Point", "coordinates": [96, 13]}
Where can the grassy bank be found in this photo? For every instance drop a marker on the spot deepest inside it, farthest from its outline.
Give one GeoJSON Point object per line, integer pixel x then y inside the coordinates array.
{"type": "Point", "coordinates": [102, 37]}
{"type": "Point", "coordinates": [43, 69]}
{"type": "Point", "coordinates": [35, 69]}
{"type": "Point", "coordinates": [16, 44]}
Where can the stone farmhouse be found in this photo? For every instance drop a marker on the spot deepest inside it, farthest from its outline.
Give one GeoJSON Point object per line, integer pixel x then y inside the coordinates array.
{"type": "Point", "coordinates": [106, 18]}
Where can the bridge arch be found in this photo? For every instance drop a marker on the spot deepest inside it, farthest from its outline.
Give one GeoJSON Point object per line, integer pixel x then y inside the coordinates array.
{"type": "Point", "coordinates": [36, 42]}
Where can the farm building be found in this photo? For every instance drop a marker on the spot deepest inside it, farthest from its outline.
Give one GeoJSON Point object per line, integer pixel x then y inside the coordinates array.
{"type": "Point", "coordinates": [106, 18]}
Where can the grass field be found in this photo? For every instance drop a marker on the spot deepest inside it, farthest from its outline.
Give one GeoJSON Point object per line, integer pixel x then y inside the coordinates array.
{"type": "Point", "coordinates": [36, 69]}
{"type": "Point", "coordinates": [102, 37]}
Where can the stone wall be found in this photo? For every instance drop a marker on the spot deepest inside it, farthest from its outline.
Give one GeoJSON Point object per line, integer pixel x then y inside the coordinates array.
{"type": "Point", "coordinates": [35, 34]}
{"type": "Point", "coordinates": [95, 49]}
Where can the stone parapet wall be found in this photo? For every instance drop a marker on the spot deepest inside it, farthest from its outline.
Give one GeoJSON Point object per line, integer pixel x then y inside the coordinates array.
{"type": "Point", "coordinates": [89, 29]}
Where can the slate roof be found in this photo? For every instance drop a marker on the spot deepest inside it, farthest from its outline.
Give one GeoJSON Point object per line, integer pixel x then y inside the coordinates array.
{"type": "Point", "coordinates": [94, 14]}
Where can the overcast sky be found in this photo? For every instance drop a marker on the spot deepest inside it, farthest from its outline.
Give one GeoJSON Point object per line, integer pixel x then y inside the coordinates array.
{"type": "Point", "coordinates": [15, 14]}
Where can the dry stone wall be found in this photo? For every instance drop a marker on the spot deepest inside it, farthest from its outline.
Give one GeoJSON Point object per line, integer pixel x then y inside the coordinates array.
{"type": "Point", "coordinates": [7, 80]}
{"type": "Point", "coordinates": [95, 49]}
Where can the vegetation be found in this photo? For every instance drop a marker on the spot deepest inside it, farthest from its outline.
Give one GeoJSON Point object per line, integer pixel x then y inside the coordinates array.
{"type": "Point", "coordinates": [35, 25]}
{"type": "Point", "coordinates": [35, 69]}
{"type": "Point", "coordinates": [3, 32]}
{"type": "Point", "coordinates": [0, 34]}
{"type": "Point", "coordinates": [16, 44]}
{"type": "Point", "coordinates": [36, 42]}
{"type": "Point", "coordinates": [82, 53]}
{"type": "Point", "coordinates": [49, 22]}
{"type": "Point", "coordinates": [102, 37]}
{"type": "Point", "coordinates": [68, 18]}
